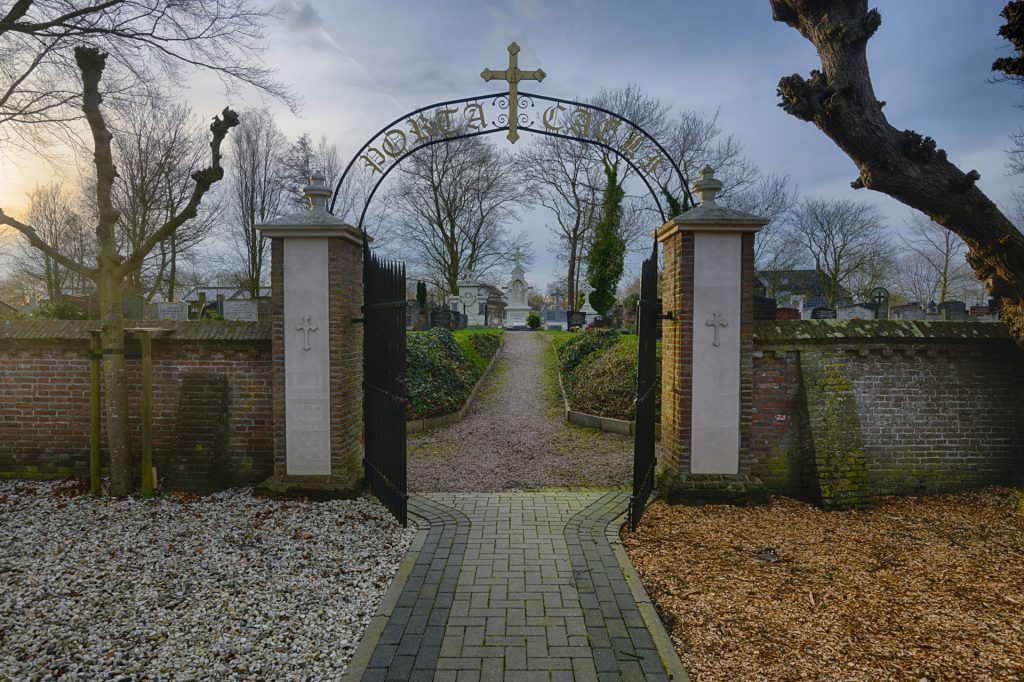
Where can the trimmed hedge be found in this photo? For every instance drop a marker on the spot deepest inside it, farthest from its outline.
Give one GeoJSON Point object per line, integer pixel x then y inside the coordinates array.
{"type": "Point", "coordinates": [439, 373]}
{"type": "Point", "coordinates": [599, 373]}
{"type": "Point", "coordinates": [573, 352]}
{"type": "Point", "coordinates": [486, 344]}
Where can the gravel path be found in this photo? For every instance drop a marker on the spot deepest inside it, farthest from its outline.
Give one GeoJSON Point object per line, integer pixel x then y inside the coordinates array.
{"type": "Point", "coordinates": [515, 437]}
{"type": "Point", "coordinates": [224, 587]}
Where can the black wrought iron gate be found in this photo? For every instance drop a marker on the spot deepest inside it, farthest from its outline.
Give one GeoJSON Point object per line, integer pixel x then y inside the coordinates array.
{"type": "Point", "coordinates": [384, 391]}
{"type": "Point", "coordinates": [649, 309]}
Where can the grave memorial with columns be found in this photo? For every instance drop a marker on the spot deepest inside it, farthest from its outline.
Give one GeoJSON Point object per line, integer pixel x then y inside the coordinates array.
{"type": "Point", "coordinates": [317, 341]}
{"type": "Point", "coordinates": [707, 353]}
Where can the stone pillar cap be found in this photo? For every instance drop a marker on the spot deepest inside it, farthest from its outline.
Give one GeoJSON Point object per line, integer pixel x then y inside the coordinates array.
{"type": "Point", "coordinates": [708, 186]}
{"type": "Point", "coordinates": [314, 222]}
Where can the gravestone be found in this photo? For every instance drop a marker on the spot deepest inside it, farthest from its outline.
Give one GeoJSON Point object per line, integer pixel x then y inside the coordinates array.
{"type": "Point", "coordinates": [822, 313]}
{"type": "Point", "coordinates": [443, 317]}
{"type": "Point", "coordinates": [953, 310]}
{"type": "Point", "coordinates": [132, 306]}
{"type": "Point", "coordinates": [857, 311]}
{"type": "Point", "coordinates": [247, 309]}
{"type": "Point", "coordinates": [576, 319]}
{"type": "Point", "coordinates": [764, 308]}
{"type": "Point", "coordinates": [172, 311]}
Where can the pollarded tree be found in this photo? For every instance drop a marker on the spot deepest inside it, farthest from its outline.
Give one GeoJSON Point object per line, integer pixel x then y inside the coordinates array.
{"type": "Point", "coordinates": [608, 251]}
{"type": "Point", "coordinates": [840, 100]}
{"type": "Point", "coordinates": [112, 268]}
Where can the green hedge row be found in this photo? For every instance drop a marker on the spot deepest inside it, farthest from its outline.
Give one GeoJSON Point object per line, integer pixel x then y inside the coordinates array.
{"type": "Point", "coordinates": [599, 372]}
{"type": "Point", "coordinates": [485, 344]}
{"type": "Point", "coordinates": [440, 371]}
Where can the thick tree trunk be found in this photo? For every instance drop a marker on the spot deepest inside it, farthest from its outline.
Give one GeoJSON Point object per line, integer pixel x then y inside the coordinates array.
{"type": "Point", "coordinates": [115, 383]}
{"type": "Point", "coordinates": [840, 100]}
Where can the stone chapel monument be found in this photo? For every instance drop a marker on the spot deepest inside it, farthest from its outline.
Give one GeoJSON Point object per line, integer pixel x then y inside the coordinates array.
{"type": "Point", "coordinates": [518, 290]}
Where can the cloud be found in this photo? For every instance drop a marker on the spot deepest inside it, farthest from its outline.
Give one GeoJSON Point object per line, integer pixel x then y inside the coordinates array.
{"type": "Point", "coordinates": [302, 17]}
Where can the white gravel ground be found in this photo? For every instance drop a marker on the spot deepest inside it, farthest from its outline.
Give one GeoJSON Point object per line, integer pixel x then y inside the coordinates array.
{"type": "Point", "coordinates": [225, 587]}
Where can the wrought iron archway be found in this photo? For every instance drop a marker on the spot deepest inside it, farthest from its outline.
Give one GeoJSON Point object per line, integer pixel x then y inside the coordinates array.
{"type": "Point", "coordinates": [385, 392]}
{"type": "Point", "coordinates": [563, 118]}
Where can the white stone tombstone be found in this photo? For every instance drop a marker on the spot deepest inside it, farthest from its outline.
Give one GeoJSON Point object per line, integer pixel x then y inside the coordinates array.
{"type": "Point", "coordinates": [243, 309]}
{"type": "Point", "coordinates": [172, 311]}
{"type": "Point", "coordinates": [588, 309]}
{"type": "Point", "coordinates": [518, 296]}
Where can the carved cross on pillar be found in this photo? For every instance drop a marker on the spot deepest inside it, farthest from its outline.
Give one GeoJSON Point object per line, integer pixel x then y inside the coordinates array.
{"type": "Point", "coordinates": [716, 322]}
{"type": "Point", "coordinates": [513, 75]}
{"type": "Point", "coordinates": [307, 325]}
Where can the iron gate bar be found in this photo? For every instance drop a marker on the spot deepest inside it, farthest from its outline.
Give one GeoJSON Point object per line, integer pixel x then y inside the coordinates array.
{"type": "Point", "coordinates": [644, 460]}
{"type": "Point", "coordinates": [385, 397]}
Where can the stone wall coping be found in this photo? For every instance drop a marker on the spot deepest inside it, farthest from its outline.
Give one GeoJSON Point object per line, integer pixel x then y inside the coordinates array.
{"type": "Point", "coordinates": [198, 330]}
{"type": "Point", "coordinates": [832, 331]}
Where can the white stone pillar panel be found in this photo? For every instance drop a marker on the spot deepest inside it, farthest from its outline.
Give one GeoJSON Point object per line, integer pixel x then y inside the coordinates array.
{"type": "Point", "coordinates": [717, 299]}
{"type": "Point", "coordinates": [307, 395]}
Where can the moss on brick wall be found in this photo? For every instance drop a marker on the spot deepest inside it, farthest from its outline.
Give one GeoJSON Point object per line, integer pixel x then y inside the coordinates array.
{"type": "Point", "coordinates": [839, 462]}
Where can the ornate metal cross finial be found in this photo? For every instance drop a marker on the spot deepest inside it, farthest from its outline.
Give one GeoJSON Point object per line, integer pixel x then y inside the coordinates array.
{"type": "Point", "coordinates": [716, 322]}
{"type": "Point", "coordinates": [306, 325]}
{"type": "Point", "coordinates": [513, 75]}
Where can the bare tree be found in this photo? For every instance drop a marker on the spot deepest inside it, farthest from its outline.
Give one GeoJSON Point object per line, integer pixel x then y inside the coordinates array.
{"type": "Point", "coordinates": [147, 42]}
{"type": "Point", "coordinates": [258, 192]}
{"type": "Point", "coordinates": [846, 241]}
{"type": "Point", "coordinates": [938, 254]}
{"type": "Point", "coordinates": [112, 268]}
{"type": "Point", "coordinates": [51, 212]}
{"type": "Point", "coordinates": [157, 146]}
{"type": "Point", "coordinates": [452, 202]}
{"type": "Point", "coordinates": [302, 159]}
{"type": "Point", "coordinates": [561, 181]}
{"type": "Point", "coordinates": [840, 100]}
{"type": "Point", "coordinates": [772, 197]}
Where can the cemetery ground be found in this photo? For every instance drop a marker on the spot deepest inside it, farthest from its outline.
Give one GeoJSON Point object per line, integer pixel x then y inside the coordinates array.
{"type": "Point", "coordinates": [928, 588]}
{"type": "Point", "coordinates": [515, 437]}
{"type": "Point", "coordinates": [226, 586]}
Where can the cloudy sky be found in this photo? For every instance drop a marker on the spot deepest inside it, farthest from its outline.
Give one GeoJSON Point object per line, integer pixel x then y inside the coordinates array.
{"type": "Point", "coordinates": [357, 65]}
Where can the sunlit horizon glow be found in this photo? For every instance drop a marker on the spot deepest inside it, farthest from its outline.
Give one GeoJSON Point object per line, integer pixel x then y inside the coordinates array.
{"type": "Point", "coordinates": [358, 65]}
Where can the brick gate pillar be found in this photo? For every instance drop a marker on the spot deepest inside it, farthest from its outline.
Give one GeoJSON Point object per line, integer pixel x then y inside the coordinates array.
{"type": "Point", "coordinates": [707, 361]}
{"type": "Point", "coordinates": [316, 294]}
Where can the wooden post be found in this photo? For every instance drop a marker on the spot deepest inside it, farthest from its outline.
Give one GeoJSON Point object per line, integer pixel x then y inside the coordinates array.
{"type": "Point", "coordinates": [95, 354]}
{"type": "Point", "coordinates": [146, 340]}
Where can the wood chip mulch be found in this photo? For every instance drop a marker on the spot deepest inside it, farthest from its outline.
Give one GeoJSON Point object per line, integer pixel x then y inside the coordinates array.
{"type": "Point", "coordinates": [917, 589]}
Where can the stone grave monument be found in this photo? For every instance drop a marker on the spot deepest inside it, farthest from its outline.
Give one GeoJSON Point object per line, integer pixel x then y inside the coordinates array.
{"type": "Point", "coordinates": [518, 291]}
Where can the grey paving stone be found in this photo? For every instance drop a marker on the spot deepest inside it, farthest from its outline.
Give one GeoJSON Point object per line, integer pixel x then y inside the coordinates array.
{"type": "Point", "coordinates": [516, 586]}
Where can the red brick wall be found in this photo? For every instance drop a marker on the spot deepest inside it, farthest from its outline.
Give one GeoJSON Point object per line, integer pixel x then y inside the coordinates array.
{"type": "Point", "coordinates": [44, 410]}
{"type": "Point", "coordinates": [937, 416]}
{"type": "Point", "coordinates": [277, 349]}
{"type": "Point", "coordinates": [677, 350]}
{"type": "Point", "coordinates": [345, 273]}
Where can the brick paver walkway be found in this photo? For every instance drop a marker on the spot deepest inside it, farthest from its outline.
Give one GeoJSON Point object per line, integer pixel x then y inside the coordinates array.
{"type": "Point", "coordinates": [515, 586]}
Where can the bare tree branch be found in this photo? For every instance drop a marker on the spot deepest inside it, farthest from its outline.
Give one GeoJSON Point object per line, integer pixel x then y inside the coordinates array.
{"type": "Point", "coordinates": [204, 179]}
{"type": "Point", "coordinates": [33, 238]}
{"type": "Point", "coordinates": [840, 100]}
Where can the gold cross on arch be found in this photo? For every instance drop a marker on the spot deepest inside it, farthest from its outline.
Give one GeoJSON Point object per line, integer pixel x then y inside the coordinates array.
{"type": "Point", "coordinates": [513, 75]}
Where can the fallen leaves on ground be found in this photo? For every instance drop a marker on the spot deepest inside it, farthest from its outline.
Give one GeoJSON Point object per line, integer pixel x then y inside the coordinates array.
{"type": "Point", "coordinates": [925, 588]}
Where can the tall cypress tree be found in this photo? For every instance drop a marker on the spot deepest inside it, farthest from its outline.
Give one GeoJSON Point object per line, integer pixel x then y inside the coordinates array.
{"type": "Point", "coordinates": [605, 262]}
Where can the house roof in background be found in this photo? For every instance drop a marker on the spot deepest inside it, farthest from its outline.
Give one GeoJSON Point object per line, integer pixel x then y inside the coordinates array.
{"type": "Point", "coordinates": [797, 283]}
